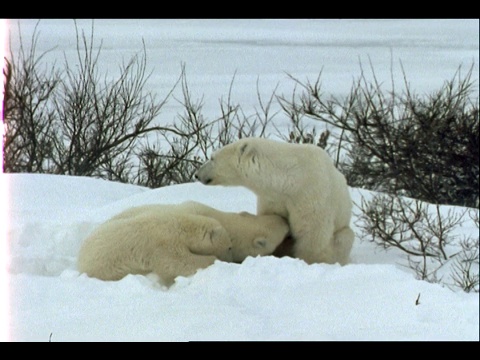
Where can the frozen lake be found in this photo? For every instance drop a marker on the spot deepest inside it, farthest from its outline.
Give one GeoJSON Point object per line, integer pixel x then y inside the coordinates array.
{"type": "Point", "coordinates": [265, 51]}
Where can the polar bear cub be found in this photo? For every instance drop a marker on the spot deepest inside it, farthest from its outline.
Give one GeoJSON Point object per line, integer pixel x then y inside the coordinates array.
{"type": "Point", "coordinates": [251, 235]}
{"type": "Point", "coordinates": [173, 240]}
{"type": "Point", "coordinates": [297, 182]}
{"type": "Point", "coordinates": [169, 245]}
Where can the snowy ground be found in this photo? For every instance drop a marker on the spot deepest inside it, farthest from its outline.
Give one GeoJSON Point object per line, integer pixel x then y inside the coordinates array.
{"type": "Point", "coordinates": [264, 298]}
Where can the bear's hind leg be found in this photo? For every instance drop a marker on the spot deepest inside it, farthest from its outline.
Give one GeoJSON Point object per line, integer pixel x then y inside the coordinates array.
{"type": "Point", "coordinates": [313, 242]}
{"type": "Point", "coordinates": [343, 242]}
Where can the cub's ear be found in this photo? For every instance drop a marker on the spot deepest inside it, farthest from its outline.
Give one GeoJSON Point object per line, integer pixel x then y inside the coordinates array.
{"type": "Point", "coordinates": [216, 234]}
{"type": "Point", "coordinates": [247, 151]}
{"type": "Point", "coordinates": [260, 243]}
{"type": "Point", "coordinates": [245, 214]}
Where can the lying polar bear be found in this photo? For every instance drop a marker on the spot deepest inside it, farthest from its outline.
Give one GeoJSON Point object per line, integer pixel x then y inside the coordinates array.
{"type": "Point", "coordinates": [173, 240]}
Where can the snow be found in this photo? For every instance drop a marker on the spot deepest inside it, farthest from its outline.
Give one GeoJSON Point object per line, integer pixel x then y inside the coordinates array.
{"type": "Point", "coordinates": [264, 298]}
{"type": "Point", "coordinates": [266, 50]}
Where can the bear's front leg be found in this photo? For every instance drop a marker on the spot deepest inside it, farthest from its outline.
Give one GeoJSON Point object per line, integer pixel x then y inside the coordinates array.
{"type": "Point", "coordinates": [271, 206]}
{"type": "Point", "coordinates": [186, 264]}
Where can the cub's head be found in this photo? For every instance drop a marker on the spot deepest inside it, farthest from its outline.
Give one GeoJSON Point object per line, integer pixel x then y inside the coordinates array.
{"type": "Point", "coordinates": [232, 165]}
{"type": "Point", "coordinates": [206, 236]}
{"type": "Point", "coordinates": [256, 235]}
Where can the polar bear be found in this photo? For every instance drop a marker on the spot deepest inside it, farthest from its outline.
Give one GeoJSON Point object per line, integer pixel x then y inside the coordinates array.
{"type": "Point", "coordinates": [298, 182]}
{"type": "Point", "coordinates": [173, 240]}
{"type": "Point", "coordinates": [251, 235]}
{"type": "Point", "coordinates": [168, 244]}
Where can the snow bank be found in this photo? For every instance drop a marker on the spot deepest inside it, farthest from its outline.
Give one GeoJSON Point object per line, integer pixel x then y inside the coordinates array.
{"type": "Point", "coordinates": [263, 298]}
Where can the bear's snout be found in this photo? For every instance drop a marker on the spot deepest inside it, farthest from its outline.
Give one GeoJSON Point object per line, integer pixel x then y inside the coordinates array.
{"type": "Point", "coordinates": [201, 175]}
{"type": "Point", "coordinates": [203, 181]}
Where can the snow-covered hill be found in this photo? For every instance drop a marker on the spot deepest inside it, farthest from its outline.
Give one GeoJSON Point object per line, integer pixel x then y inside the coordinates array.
{"type": "Point", "coordinates": [267, 298]}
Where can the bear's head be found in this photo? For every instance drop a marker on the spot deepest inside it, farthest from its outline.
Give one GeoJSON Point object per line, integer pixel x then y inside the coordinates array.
{"type": "Point", "coordinates": [206, 236]}
{"type": "Point", "coordinates": [254, 235]}
{"type": "Point", "coordinates": [232, 165]}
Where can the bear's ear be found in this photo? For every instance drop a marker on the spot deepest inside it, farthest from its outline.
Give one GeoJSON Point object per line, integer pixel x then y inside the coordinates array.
{"type": "Point", "coordinates": [216, 234]}
{"type": "Point", "coordinates": [260, 243]}
{"type": "Point", "coordinates": [247, 151]}
{"type": "Point", "coordinates": [245, 214]}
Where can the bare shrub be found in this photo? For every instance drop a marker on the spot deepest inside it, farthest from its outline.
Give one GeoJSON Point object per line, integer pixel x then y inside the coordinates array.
{"type": "Point", "coordinates": [187, 143]}
{"type": "Point", "coordinates": [464, 272]}
{"type": "Point", "coordinates": [423, 147]}
{"type": "Point", "coordinates": [28, 111]}
{"type": "Point", "coordinates": [426, 236]}
{"type": "Point", "coordinates": [74, 121]}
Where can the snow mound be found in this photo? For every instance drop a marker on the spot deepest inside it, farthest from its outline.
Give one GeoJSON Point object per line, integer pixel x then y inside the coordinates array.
{"type": "Point", "coordinates": [264, 298]}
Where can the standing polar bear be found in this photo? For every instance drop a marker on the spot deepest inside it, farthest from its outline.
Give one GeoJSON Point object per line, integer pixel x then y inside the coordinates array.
{"type": "Point", "coordinates": [173, 240]}
{"type": "Point", "coordinates": [297, 182]}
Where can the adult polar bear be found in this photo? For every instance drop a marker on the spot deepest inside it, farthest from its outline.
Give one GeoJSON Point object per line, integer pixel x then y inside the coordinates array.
{"type": "Point", "coordinates": [296, 181]}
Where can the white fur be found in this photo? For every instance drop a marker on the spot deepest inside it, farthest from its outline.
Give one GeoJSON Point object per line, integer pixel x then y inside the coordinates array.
{"type": "Point", "coordinates": [173, 240]}
{"type": "Point", "coordinates": [299, 183]}
{"type": "Point", "coordinates": [167, 244]}
{"type": "Point", "coordinates": [251, 235]}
